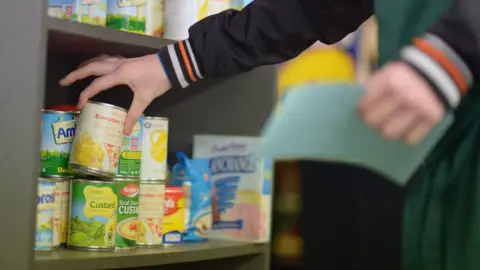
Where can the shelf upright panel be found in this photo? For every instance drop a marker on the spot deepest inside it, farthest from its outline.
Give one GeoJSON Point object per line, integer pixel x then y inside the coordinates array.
{"type": "Point", "coordinates": [22, 72]}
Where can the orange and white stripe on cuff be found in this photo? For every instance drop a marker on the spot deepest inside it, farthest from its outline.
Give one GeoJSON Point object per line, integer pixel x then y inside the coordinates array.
{"type": "Point", "coordinates": [443, 68]}
{"type": "Point", "coordinates": [180, 64]}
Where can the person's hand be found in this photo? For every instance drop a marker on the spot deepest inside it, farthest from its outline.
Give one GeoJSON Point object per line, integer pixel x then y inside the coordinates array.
{"type": "Point", "coordinates": [144, 75]}
{"type": "Point", "coordinates": [400, 104]}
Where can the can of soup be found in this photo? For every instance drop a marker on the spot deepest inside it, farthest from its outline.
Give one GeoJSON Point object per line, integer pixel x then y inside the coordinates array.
{"type": "Point", "coordinates": [58, 131]}
{"type": "Point", "coordinates": [59, 217]}
{"type": "Point", "coordinates": [98, 140]}
{"type": "Point", "coordinates": [131, 153]}
{"type": "Point", "coordinates": [155, 15]}
{"type": "Point", "coordinates": [93, 214]}
{"type": "Point", "coordinates": [45, 214]}
{"type": "Point", "coordinates": [127, 15]}
{"type": "Point", "coordinates": [180, 15]}
{"type": "Point", "coordinates": [173, 219]}
{"type": "Point", "coordinates": [150, 213]}
{"type": "Point", "coordinates": [127, 214]}
{"type": "Point", "coordinates": [154, 146]}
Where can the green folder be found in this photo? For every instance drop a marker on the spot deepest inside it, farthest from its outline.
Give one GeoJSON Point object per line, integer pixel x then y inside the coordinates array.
{"type": "Point", "coordinates": [321, 122]}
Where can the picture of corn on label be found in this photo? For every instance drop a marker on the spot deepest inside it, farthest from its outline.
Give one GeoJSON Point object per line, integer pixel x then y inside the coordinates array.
{"type": "Point", "coordinates": [99, 138]}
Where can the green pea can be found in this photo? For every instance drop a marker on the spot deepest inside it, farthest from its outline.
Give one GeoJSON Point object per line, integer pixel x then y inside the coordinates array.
{"type": "Point", "coordinates": [127, 214]}
{"type": "Point", "coordinates": [93, 214]}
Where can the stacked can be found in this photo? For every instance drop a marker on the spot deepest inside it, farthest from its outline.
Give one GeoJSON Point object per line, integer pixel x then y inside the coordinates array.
{"type": "Point", "coordinates": [127, 178]}
{"type": "Point", "coordinates": [99, 203]}
{"type": "Point", "coordinates": [58, 131]}
{"type": "Point", "coordinates": [152, 181]}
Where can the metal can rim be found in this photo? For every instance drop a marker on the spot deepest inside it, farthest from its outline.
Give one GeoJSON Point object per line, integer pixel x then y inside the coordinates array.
{"type": "Point", "coordinates": [60, 112]}
{"type": "Point", "coordinates": [125, 179]}
{"type": "Point", "coordinates": [155, 118]}
{"type": "Point", "coordinates": [153, 179]}
{"type": "Point", "coordinates": [108, 105]}
{"type": "Point", "coordinates": [92, 181]}
{"type": "Point", "coordinates": [171, 189]}
{"type": "Point", "coordinates": [152, 182]}
{"type": "Point", "coordinates": [44, 179]}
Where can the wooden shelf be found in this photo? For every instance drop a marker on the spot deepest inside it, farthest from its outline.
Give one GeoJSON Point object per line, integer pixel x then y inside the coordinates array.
{"type": "Point", "coordinates": [184, 253]}
{"type": "Point", "coordinates": [68, 37]}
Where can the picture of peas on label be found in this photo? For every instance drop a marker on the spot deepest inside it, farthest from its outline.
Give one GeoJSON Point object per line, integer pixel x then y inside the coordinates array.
{"type": "Point", "coordinates": [126, 234]}
{"type": "Point", "coordinates": [93, 214]}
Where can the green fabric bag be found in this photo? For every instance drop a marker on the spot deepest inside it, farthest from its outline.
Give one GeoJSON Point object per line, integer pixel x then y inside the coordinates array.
{"type": "Point", "coordinates": [442, 210]}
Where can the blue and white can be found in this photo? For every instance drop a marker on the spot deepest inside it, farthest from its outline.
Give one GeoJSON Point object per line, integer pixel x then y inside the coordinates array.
{"type": "Point", "coordinates": [45, 214]}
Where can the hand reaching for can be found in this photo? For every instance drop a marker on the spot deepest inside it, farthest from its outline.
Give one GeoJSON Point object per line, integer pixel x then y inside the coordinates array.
{"type": "Point", "coordinates": [144, 75]}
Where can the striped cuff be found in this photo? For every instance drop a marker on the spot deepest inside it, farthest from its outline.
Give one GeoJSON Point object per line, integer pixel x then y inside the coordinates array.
{"type": "Point", "coordinates": [441, 66]}
{"type": "Point", "coordinates": [180, 64]}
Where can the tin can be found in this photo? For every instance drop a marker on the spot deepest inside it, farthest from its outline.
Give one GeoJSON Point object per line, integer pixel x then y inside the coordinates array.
{"type": "Point", "coordinates": [154, 146]}
{"type": "Point", "coordinates": [57, 213]}
{"type": "Point", "coordinates": [92, 12]}
{"type": "Point", "coordinates": [180, 15]}
{"type": "Point", "coordinates": [93, 214]}
{"type": "Point", "coordinates": [127, 15]}
{"type": "Point", "coordinates": [63, 9]}
{"type": "Point", "coordinates": [58, 132]}
{"type": "Point", "coordinates": [173, 220]}
{"type": "Point", "coordinates": [216, 6]}
{"type": "Point", "coordinates": [131, 153]}
{"type": "Point", "coordinates": [127, 214]}
{"type": "Point", "coordinates": [150, 213]}
{"type": "Point", "coordinates": [45, 214]}
{"type": "Point", "coordinates": [63, 191]}
{"type": "Point", "coordinates": [98, 140]}
{"type": "Point", "coordinates": [155, 16]}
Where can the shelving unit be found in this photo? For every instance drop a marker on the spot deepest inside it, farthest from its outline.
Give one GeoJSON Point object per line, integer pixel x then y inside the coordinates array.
{"type": "Point", "coordinates": [35, 52]}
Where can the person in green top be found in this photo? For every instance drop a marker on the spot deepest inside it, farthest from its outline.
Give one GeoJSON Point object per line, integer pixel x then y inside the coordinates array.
{"type": "Point", "coordinates": [429, 54]}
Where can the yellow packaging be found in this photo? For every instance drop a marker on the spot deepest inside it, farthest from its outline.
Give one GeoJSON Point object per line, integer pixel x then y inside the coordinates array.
{"type": "Point", "coordinates": [173, 220]}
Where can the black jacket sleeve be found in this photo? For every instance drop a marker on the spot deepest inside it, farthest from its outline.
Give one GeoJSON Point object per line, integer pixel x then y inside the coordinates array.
{"type": "Point", "coordinates": [265, 32]}
{"type": "Point", "coordinates": [448, 55]}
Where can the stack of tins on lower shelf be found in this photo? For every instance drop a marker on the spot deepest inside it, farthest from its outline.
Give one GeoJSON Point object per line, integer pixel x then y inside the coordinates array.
{"type": "Point", "coordinates": [92, 192]}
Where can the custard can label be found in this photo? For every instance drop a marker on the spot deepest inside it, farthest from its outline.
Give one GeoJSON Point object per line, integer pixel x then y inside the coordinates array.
{"type": "Point", "coordinates": [93, 214]}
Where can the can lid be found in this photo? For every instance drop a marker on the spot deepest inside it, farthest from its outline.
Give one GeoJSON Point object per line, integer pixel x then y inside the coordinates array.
{"type": "Point", "coordinates": [96, 181]}
{"type": "Point", "coordinates": [173, 189]}
{"type": "Point", "coordinates": [60, 112]}
{"type": "Point", "coordinates": [156, 118]}
{"type": "Point", "coordinates": [126, 179]}
{"type": "Point", "coordinates": [44, 179]}
{"type": "Point", "coordinates": [108, 105]}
